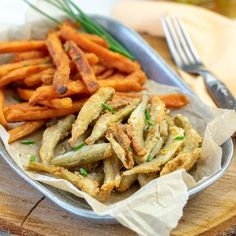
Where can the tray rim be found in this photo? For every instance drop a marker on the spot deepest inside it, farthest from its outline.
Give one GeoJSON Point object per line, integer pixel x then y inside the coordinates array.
{"type": "Point", "coordinates": [89, 214]}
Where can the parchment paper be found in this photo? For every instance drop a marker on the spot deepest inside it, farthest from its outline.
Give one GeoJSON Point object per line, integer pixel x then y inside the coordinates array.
{"type": "Point", "coordinates": [156, 208]}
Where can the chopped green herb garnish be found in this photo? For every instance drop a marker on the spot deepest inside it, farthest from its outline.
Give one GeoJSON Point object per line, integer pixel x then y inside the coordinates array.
{"type": "Point", "coordinates": [130, 149]}
{"type": "Point", "coordinates": [150, 158]}
{"type": "Point", "coordinates": [148, 118]}
{"type": "Point", "coordinates": [25, 65]}
{"type": "Point", "coordinates": [83, 171]}
{"type": "Point", "coordinates": [67, 47]}
{"type": "Point", "coordinates": [109, 108]}
{"type": "Point", "coordinates": [16, 97]}
{"type": "Point", "coordinates": [78, 147]}
{"type": "Point", "coordinates": [27, 142]}
{"type": "Point", "coordinates": [32, 158]}
{"type": "Point", "coordinates": [179, 138]}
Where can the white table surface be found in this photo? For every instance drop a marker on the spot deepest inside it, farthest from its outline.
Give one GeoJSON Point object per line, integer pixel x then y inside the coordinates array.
{"type": "Point", "coordinates": [13, 11]}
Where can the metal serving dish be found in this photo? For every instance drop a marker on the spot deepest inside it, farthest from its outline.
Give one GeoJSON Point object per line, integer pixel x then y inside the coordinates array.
{"type": "Point", "coordinates": [153, 65]}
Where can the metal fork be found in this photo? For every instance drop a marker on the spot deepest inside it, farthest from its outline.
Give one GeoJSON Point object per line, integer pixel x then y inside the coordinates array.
{"type": "Point", "coordinates": [186, 57]}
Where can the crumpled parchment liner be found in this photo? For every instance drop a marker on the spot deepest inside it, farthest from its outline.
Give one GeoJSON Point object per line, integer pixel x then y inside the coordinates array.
{"type": "Point", "coordinates": [156, 208]}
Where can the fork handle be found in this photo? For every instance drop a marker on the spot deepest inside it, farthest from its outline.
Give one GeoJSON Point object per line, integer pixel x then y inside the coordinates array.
{"type": "Point", "coordinates": [219, 92]}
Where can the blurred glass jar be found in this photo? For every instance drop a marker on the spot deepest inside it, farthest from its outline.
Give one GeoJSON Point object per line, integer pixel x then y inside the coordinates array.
{"type": "Point", "coordinates": [225, 7]}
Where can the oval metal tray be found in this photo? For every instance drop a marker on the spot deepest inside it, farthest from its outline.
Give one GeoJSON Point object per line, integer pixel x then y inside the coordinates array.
{"type": "Point", "coordinates": [153, 65]}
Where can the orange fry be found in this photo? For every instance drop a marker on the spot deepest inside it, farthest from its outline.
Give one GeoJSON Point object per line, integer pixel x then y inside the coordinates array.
{"type": "Point", "coordinates": [175, 100]}
{"type": "Point", "coordinates": [78, 87]}
{"type": "Point", "coordinates": [47, 92]}
{"type": "Point", "coordinates": [92, 58]}
{"type": "Point", "coordinates": [98, 69]}
{"type": "Point", "coordinates": [21, 46]}
{"type": "Point", "coordinates": [22, 73]}
{"type": "Point", "coordinates": [106, 74]}
{"type": "Point", "coordinates": [47, 76]}
{"type": "Point", "coordinates": [95, 38]}
{"type": "Point", "coordinates": [25, 129]}
{"type": "Point", "coordinates": [21, 56]}
{"type": "Point", "coordinates": [26, 112]}
{"type": "Point", "coordinates": [25, 94]}
{"type": "Point", "coordinates": [33, 80]}
{"type": "Point", "coordinates": [61, 60]}
{"type": "Point", "coordinates": [58, 103]}
{"type": "Point", "coordinates": [137, 75]}
{"type": "Point", "coordinates": [113, 59]}
{"type": "Point", "coordinates": [2, 117]}
{"type": "Point", "coordinates": [39, 78]}
{"type": "Point", "coordinates": [4, 69]}
{"type": "Point", "coordinates": [83, 67]}
{"type": "Point", "coordinates": [125, 85]}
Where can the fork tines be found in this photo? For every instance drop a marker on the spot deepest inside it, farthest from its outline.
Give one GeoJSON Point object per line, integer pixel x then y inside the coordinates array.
{"type": "Point", "coordinates": [179, 41]}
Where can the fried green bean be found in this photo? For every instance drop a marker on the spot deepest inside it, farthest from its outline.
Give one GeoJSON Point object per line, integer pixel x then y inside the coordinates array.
{"type": "Point", "coordinates": [143, 179]}
{"type": "Point", "coordinates": [166, 154]}
{"type": "Point", "coordinates": [190, 152]}
{"type": "Point", "coordinates": [89, 112]}
{"type": "Point", "coordinates": [121, 144]}
{"type": "Point", "coordinates": [126, 182]}
{"type": "Point", "coordinates": [53, 135]}
{"type": "Point", "coordinates": [83, 183]}
{"type": "Point", "coordinates": [97, 176]}
{"type": "Point", "coordinates": [136, 125]}
{"type": "Point", "coordinates": [153, 137]}
{"type": "Point", "coordinates": [112, 177]}
{"type": "Point", "coordinates": [85, 155]}
{"type": "Point", "coordinates": [108, 119]}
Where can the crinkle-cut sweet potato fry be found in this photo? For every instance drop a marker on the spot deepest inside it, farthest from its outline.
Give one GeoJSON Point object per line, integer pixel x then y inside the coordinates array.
{"type": "Point", "coordinates": [83, 183]}
{"type": "Point", "coordinates": [83, 67]}
{"type": "Point", "coordinates": [6, 68]}
{"type": "Point", "coordinates": [106, 74]}
{"type": "Point", "coordinates": [21, 56]}
{"type": "Point", "coordinates": [26, 112]}
{"type": "Point", "coordinates": [174, 100]}
{"type": "Point", "coordinates": [22, 73]}
{"type": "Point", "coordinates": [95, 38]}
{"type": "Point", "coordinates": [61, 60]}
{"type": "Point", "coordinates": [22, 46]}
{"type": "Point", "coordinates": [25, 129]}
{"type": "Point", "coordinates": [111, 58]}
{"type": "Point", "coordinates": [2, 117]}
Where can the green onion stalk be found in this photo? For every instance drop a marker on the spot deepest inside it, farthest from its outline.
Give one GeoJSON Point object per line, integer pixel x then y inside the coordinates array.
{"type": "Point", "coordinates": [86, 22]}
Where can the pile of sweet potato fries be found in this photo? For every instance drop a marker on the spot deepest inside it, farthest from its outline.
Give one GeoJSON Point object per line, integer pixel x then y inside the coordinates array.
{"type": "Point", "coordinates": [54, 77]}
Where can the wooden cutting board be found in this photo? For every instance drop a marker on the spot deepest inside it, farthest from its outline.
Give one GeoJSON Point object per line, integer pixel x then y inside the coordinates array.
{"type": "Point", "coordinates": [24, 211]}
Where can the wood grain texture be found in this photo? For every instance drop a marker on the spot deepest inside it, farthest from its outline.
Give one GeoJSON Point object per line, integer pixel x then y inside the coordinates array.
{"type": "Point", "coordinates": [24, 211]}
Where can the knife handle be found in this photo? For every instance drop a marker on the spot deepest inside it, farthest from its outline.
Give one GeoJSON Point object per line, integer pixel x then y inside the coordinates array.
{"type": "Point", "coordinates": [219, 92]}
